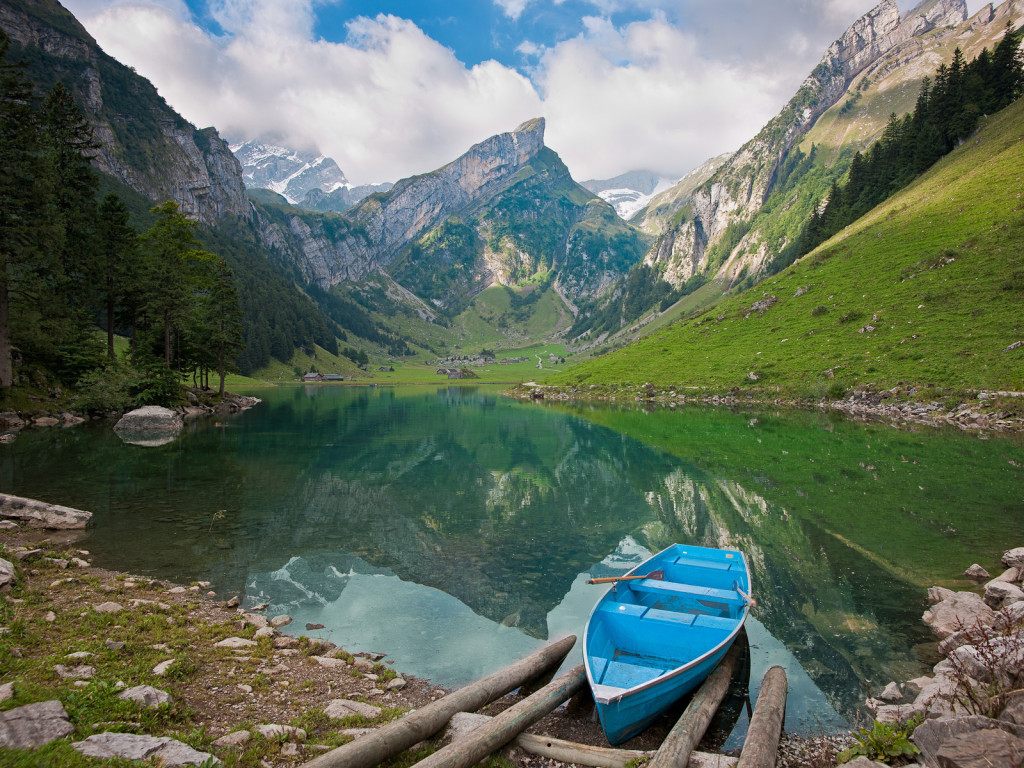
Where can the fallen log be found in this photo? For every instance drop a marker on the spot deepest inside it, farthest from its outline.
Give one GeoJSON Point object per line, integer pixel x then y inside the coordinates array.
{"type": "Point", "coordinates": [586, 754]}
{"type": "Point", "coordinates": [677, 747]}
{"type": "Point", "coordinates": [371, 748]}
{"type": "Point", "coordinates": [761, 746]}
{"type": "Point", "coordinates": [505, 726]}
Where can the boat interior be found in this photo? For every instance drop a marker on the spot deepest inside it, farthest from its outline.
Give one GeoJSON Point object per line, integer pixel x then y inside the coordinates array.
{"type": "Point", "coordinates": [649, 627]}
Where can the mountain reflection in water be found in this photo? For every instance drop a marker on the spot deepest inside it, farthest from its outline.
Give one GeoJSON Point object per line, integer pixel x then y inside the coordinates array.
{"type": "Point", "coordinates": [454, 529]}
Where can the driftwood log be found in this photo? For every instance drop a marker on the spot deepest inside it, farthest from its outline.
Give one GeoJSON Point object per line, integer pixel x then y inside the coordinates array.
{"type": "Point", "coordinates": [505, 726]}
{"type": "Point", "coordinates": [762, 743]}
{"type": "Point", "coordinates": [371, 748]}
{"type": "Point", "coordinates": [677, 747]}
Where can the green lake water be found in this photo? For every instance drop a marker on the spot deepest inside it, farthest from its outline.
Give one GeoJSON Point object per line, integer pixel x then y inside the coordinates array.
{"type": "Point", "coordinates": [454, 529]}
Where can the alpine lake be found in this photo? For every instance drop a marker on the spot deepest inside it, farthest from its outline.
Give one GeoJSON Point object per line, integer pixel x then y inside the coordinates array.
{"type": "Point", "coordinates": [454, 529]}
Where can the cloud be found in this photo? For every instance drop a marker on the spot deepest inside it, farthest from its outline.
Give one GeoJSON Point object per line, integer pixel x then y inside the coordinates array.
{"type": "Point", "coordinates": [644, 97]}
{"type": "Point", "coordinates": [387, 102]}
{"type": "Point", "coordinates": [685, 80]}
{"type": "Point", "coordinates": [512, 8]}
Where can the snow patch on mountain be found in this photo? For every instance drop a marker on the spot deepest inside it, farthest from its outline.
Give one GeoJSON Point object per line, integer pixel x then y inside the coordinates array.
{"type": "Point", "coordinates": [630, 192]}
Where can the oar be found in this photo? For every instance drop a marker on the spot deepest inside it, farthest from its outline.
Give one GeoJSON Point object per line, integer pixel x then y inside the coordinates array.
{"type": "Point", "coordinates": [657, 575]}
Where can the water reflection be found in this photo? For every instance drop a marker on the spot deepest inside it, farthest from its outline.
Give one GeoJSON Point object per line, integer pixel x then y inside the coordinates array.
{"type": "Point", "coordinates": [454, 529]}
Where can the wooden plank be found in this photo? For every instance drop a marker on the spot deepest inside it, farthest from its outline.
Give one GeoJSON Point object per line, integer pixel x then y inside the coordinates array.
{"type": "Point", "coordinates": [762, 743]}
{"type": "Point", "coordinates": [505, 726]}
{"type": "Point", "coordinates": [677, 747]}
{"type": "Point", "coordinates": [387, 741]}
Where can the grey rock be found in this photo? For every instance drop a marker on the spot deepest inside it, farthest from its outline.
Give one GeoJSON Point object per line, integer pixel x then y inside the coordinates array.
{"type": "Point", "coordinates": [6, 692]}
{"type": "Point", "coordinates": [108, 607]}
{"type": "Point", "coordinates": [892, 694]}
{"type": "Point", "coordinates": [291, 749]}
{"type": "Point", "coordinates": [395, 684]}
{"type": "Point", "coordinates": [235, 642]}
{"type": "Point", "coordinates": [999, 594]}
{"type": "Point", "coordinates": [149, 426]}
{"type": "Point", "coordinates": [339, 708]}
{"type": "Point", "coordinates": [233, 739]}
{"type": "Point", "coordinates": [918, 684]}
{"type": "Point", "coordinates": [146, 695]}
{"type": "Point", "coordinates": [1014, 558]}
{"type": "Point", "coordinates": [275, 731]}
{"type": "Point", "coordinates": [1010, 576]}
{"type": "Point", "coordinates": [82, 672]}
{"type": "Point", "coordinates": [977, 572]}
{"type": "Point", "coordinates": [281, 621]}
{"type": "Point", "coordinates": [329, 662]}
{"type": "Point", "coordinates": [999, 660]}
{"type": "Point", "coordinates": [34, 725]}
{"type": "Point", "coordinates": [981, 749]}
{"type": "Point", "coordinates": [39, 514]}
{"type": "Point", "coordinates": [862, 762]}
{"type": "Point", "coordinates": [363, 665]}
{"type": "Point", "coordinates": [165, 751]}
{"type": "Point", "coordinates": [7, 575]}
{"type": "Point", "coordinates": [938, 594]}
{"type": "Point", "coordinates": [931, 735]}
{"type": "Point", "coordinates": [461, 725]}
{"type": "Point", "coordinates": [161, 669]}
{"type": "Point", "coordinates": [963, 609]}
{"type": "Point", "coordinates": [1013, 712]}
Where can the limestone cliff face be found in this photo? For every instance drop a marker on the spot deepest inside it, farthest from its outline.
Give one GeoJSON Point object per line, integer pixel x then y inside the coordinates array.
{"type": "Point", "coordinates": [420, 202]}
{"type": "Point", "coordinates": [144, 143]}
{"type": "Point", "coordinates": [742, 185]}
{"type": "Point", "coordinates": [331, 249]}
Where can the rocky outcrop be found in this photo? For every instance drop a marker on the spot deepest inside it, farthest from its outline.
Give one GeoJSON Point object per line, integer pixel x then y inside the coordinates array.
{"type": "Point", "coordinates": [741, 187]}
{"type": "Point", "coordinates": [39, 514]}
{"type": "Point", "coordinates": [327, 252]}
{"type": "Point", "coordinates": [971, 708]}
{"type": "Point", "coordinates": [143, 142]}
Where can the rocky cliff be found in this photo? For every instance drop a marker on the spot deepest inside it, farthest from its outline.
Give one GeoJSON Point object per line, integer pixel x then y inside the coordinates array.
{"type": "Point", "coordinates": [449, 233]}
{"type": "Point", "coordinates": [740, 188]}
{"type": "Point", "coordinates": [144, 143]}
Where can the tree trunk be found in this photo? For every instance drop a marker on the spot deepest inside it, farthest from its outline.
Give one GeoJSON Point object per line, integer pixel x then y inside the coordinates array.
{"type": "Point", "coordinates": [221, 372]}
{"type": "Point", "coordinates": [110, 329]}
{"type": "Point", "coordinates": [167, 338]}
{"type": "Point", "coordinates": [6, 361]}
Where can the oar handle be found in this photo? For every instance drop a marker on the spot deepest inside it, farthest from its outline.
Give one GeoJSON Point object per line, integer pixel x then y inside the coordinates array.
{"type": "Point", "coordinates": [750, 601]}
{"type": "Point", "coordinates": [659, 575]}
{"type": "Point", "coordinates": [610, 579]}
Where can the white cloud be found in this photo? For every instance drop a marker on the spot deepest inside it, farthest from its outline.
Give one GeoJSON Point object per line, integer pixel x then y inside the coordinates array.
{"type": "Point", "coordinates": [644, 97]}
{"type": "Point", "coordinates": [512, 8]}
{"type": "Point", "coordinates": [386, 103]}
{"type": "Point", "coordinates": [695, 79]}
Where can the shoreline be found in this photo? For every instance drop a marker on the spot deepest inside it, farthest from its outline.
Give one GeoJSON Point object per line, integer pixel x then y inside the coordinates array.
{"type": "Point", "coordinates": [986, 414]}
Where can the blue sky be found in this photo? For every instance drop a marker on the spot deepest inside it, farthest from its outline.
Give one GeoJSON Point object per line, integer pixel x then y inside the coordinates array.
{"type": "Point", "coordinates": [398, 87]}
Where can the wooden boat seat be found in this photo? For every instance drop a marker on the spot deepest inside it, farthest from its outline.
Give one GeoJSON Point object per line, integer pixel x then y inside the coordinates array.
{"type": "Point", "coordinates": [728, 596]}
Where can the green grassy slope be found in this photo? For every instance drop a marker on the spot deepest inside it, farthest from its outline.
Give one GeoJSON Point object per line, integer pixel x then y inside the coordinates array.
{"type": "Point", "coordinates": [927, 289]}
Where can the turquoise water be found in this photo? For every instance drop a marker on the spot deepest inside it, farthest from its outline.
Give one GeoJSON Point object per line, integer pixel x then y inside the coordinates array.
{"type": "Point", "coordinates": [454, 529]}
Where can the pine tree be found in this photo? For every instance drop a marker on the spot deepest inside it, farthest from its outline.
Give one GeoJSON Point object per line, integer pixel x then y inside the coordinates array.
{"type": "Point", "coordinates": [18, 193]}
{"type": "Point", "coordinates": [223, 320]}
{"type": "Point", "coordinates": [171, 259]}
{"type": "Point", "coordinates": [116, 270]}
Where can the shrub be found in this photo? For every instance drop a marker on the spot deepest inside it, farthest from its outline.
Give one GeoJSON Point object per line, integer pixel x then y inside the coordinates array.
{"type": "Point", "coordinates": [884, 741]}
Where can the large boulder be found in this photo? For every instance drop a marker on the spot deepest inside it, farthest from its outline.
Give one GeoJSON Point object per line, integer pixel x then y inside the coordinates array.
{"type": "Point", "coordinates": [150, 425]}
{"type": "Point", "coordinates": [1014, 558]}
{"type": "Point", "coordinates": [962, 610]}
{"type": "Point", "coordinates": [34, 725]}
{"type": "Point", "coordinates": [164, 751]}
{"type": "Point", "coordinates": [39, 514]}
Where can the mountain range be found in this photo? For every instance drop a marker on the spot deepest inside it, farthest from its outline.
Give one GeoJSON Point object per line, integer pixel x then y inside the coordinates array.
{"type": "Point", "coordinates": [307, 180]}
{"type": "Point", "coordinates": [402, 267]}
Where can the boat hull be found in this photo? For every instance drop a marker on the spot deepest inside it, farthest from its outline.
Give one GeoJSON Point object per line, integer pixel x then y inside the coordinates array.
{"type": "Point", "coordinates": [649, 642]}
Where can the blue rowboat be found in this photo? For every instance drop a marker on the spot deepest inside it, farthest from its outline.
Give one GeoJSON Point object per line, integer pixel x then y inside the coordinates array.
{"type": "Point", "coordinates": [660, 630]}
